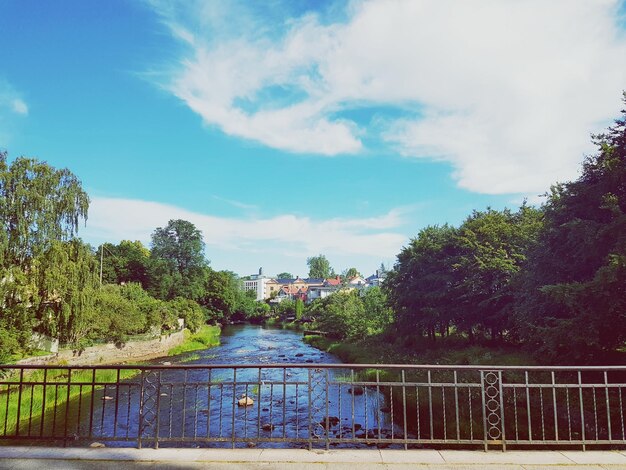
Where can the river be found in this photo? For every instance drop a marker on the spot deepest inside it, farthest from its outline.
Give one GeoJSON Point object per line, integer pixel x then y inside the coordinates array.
{"type": "Point", "coordinates": [199, 407]}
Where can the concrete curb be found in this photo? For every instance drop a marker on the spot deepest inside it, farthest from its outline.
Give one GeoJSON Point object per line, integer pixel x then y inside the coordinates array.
{"type": "Point", "coordinates": [121, 458]}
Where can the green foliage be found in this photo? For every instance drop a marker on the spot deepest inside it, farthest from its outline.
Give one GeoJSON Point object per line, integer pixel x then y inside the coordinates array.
{"type": "Point", "coordinates": [299, 309]}
{"type": "Point", "coordinates": [284, 276]}
{"type": "Point", "coordinates": [492, 247]}
{"type": "Point", "coordinates": [350, 273]}
{"type": "Point", "coordinates": [126, 262]}
{"type": "Point", "coordinates": [342, 315]}
{"type": "Point", "coordinates": [572, 295]}
{"type": "Point", "coordinates": [378, 314]}
{"type": "Point", "coordinates": [190, 311]}
{"type": "Point", "coordinates": [222, 293]}
{"type": "Point", "coordinates": [67, 283]}
{"type": "Point", "coordinates": [319, 267]}
{"type": "Point", "coordinates": [285, 309]}
{"type": "Point", "coordinates": [117, 316]}
{"type": "Point", "coordinates": [178, 267]}
{"type": "Point", "coordinates": [38, 204]}
{"type": "Point", "coordinates": [421, 286]}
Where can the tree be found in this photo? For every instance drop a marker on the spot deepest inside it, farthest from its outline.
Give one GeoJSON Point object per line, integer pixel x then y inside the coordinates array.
{"type": "Point", "coordinates": [378, 314]}
{"type": "Point", "coordinates": [177, 265]}
{"type": "Point", "coordinates": [341, 315]}
{"type": "Point", "coordinates": [299, 309]}
{"type": "Point", "coordinates": [572, 296]}
{"type": "Point", "coordinates": [351, 273]}
{"type": "Point", "coordinates": [319, 267]}
{"type": "Point", "coordinates": [126, 262]}
{"type": "Point", "coordinates": [421, 287]}
{"type": "Point", "coordinates": [492, 247]}
{"type": "Point", "coordinates": [221, 297]}
{"type": "Point", "coordinates": [67, 283]}
{"type": "Point", "coordinates": [38, 204]}
{"type": "Point", "coordinates": [40, 207]}
{"type": "Point", "coordinates": [284, 275]}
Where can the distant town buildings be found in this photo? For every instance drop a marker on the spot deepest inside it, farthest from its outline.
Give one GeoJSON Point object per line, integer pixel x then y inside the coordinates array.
{"type": "Point", "coordinates": [307, 289]}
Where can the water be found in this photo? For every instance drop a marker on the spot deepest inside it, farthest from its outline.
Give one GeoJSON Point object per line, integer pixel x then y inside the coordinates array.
{"type": "Point", "coordinates": [200, 407]}
{"type": "Point", "coordinates": [253, 344]}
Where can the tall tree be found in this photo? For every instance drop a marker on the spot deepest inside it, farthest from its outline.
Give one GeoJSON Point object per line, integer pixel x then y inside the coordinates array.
{"type": "Point", "coordinates": [284, 275]}
{"type": "Point", "coordinates": [421, 285]}
{"type": "Point", "coordinates": [40, 207]}
{"type": "Point", "coordinates": [178, 265]}
{"type": "Point", "coordinates": [38, 204]}
{"type": "Point", "coordinates": [126, 262]}
{"type": "Point", "coordinates": [572, 299]}
{"type": "Point", "coordinates": [319, 267]}
{"type": "Point", "coordinates": [493, 245]}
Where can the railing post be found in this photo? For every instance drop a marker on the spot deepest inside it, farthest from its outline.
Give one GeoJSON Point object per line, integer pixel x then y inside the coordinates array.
{"type": "Point", "coordinates": [149, 404]}
{"type": "Point", "coordinates": [493, 408]}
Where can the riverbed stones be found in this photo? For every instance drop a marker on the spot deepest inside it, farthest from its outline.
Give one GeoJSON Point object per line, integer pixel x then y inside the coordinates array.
{"type": "Point", "coordinates": [245, 401]}
{"type": "Point", "coordinates": [96, 445]}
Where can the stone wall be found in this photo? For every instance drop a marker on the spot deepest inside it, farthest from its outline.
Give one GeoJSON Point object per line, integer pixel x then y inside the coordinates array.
{"type": "Point", "coordinates": [131, 352]}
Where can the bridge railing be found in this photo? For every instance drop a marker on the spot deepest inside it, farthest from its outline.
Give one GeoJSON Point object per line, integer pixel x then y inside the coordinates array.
{"type": "Point", "coordinates": [314, 405]}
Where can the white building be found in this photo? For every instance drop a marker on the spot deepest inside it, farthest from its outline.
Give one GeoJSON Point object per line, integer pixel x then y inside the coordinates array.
{"type": "Point", "coordinates": [257, 283]}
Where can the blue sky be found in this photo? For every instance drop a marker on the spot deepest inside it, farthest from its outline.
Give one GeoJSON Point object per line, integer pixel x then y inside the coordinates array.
{"type": "Point", "coordinates": [288, 129]}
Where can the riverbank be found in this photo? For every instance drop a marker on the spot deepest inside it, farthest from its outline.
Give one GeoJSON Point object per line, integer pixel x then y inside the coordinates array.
{"type": "Point", "coordinates": [132, 352]}
{"type": "Point", "coordinates": [383, 350]}
{"type": "Point", "coordinates": [207, 336]}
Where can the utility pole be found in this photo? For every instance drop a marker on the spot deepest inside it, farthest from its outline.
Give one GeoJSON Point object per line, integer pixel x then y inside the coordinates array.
{"type": "Point", "coordinates": [101, 258]}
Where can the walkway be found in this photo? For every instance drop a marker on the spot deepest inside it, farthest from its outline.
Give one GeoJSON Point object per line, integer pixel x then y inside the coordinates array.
{"type": "Point", "coordinates": [41, 458]}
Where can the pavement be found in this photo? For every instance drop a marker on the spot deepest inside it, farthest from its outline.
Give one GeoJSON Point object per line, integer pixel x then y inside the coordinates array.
{"type": "Point", "coordinates": [43, 458]}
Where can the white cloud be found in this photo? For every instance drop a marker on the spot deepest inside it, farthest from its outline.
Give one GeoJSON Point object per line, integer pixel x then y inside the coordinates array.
{"type": "Point", "coordinates": [507, 91]}
{"type": "Point", "coordinates": [114, 219]}
{"type": "Point", "coordinates": [10, 99]}
{"type": "Point", "coordinates": [19, 106]}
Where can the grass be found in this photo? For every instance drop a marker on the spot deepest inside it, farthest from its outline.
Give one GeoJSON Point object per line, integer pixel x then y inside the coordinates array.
{"type": "Point", "coordinates": [206, 337]}
{"type": "Point", "coordinates": [37, 401]}
{"type": "Point", "coordinates": [35, 353]}
{"type": "Point", "coordinates": [453, 351]}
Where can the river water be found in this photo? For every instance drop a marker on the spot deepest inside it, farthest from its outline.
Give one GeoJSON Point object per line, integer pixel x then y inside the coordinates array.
{"type": "Point", "coordinates": [289, 406]}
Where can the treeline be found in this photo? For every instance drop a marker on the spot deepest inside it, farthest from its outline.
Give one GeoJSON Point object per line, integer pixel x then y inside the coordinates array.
{"type": "Point", "coordinates": [552, 279]}
{"type": "Point", "coordinates": [50, 280]}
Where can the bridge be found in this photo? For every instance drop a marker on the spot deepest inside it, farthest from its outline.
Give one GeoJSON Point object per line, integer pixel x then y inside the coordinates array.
{"type": "Point", "coordinates": [314, 406]}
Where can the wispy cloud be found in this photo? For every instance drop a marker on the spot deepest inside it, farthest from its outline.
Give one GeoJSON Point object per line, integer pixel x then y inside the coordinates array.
{"type": "Point", "coordinates": [11, 100]}
{"type": "Point", "coordinates": [237, 204]}
{"type": "Point", "coordinates": [114, 219]}
{"type": "Point", "coordinates": [12, 107]}
{"type": "Point", "coordinates": [508, 92]}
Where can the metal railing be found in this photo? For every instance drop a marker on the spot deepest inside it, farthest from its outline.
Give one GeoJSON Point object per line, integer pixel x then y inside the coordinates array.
{"type": "Point", "coordinates": [314, 405]}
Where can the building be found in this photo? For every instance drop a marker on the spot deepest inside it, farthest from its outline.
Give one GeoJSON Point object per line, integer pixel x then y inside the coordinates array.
{"type": "Point", "coordinates": [257, 283]}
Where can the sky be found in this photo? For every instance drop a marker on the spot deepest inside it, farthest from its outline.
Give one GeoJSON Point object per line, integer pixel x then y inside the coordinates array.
{"type": "Point", "coordinates": [288, 129]}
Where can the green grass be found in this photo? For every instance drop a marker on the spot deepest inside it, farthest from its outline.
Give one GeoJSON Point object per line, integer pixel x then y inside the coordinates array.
{"type": "Point", "coordinates": [37, 400]}
{"type": "Point", "coordinates": [453, 351]}
{"type": "Point", "coordinates": [206, 337]}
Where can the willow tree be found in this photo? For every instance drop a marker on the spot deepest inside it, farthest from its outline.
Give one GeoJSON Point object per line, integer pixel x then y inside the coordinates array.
{"type": "Point", "coordinates": [67, 282]}
{"type": "Point", "coordinates": [39, 205]}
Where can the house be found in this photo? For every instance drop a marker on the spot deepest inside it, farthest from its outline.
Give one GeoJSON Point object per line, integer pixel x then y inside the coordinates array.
{"type": "Point", "coordinates": [356, 281]}
{"type": "Point", "coordinates": [292, 292]}
{"type": "Point", "coordinates": [375, 279]}
{"type": "Point", "coordinates": [272, 286]}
